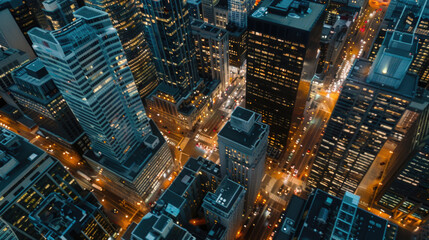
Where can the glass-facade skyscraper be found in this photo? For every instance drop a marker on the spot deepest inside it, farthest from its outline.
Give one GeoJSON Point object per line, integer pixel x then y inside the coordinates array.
{"type": "Point", "coordinates": [281, 52]}
{"type": "Point", "coordinates": [170, 38]}
{"type": "Point", "coordinates": [370, 110]}
{"type": "Point", "coordinates": [89, 67]}
{"type": "Point", "coordinates": [128, 21]}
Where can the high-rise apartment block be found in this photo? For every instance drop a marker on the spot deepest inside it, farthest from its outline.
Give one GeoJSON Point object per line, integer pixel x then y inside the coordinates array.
{"type": "Point", "coordinates": [324, 216]}
{"type": "Point", "coordinates": [59, 218]}
{"type": "Point", "coordinates": [40, 99]}
{"type": "Point", "coordinates": [59, 12]}
{"type": "Point", "coordinates": [211, 45]}
{"type": "Point", "coordinates": [282, 42]}
{"type": "Point", "coordinates": [127, 20]}
{"type": "Point", "coordinates": [225, 207]}
{"type": "Point", "coordinates": [28, 176]}
{"type": "Point", "coordinates": [87, 64]}
{"type": "Point", "coordinates": [243, 145]}
{"type": "Point", "coordinates": [372, 108]}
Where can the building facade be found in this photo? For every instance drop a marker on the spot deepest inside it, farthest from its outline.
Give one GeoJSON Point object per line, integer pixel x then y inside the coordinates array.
{"type": "Point", "coordinates": [16, 20]}
{"type": "Point", "coordinates": [225, 207]}
{"type": "Point", "coordinates": [108, 107]}
{"type": "Point", "coordinates": [211, 45]}
{"type": "Point", "coordinates": [40, 99]}
{"type": "Point", "coordinates": [371, 109]}
{"type": "Point", "coordinates": [243, 145]}
{"type": "Point", "coordinates": [293, 29]}
{"type": "Point", "coordinates": [59, 12]}
{"type": "Point", "coordinates": [127, 20]}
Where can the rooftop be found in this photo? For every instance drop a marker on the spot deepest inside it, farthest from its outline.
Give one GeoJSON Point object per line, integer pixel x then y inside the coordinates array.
{"type": "Point", "coordinates": [160, 227]}
{"type": "Point", "coordinates": [360, 72]}
{"type": "Point", "coordinates": [225, 197]}
{"type": "Point", "coordinates": [88, 12]}
{"type": "Point", "coordinates": [18, 148]}
{"type": "Point", "coordinates": [242, 113]}
{"type": "Point", "coordinates": [130, 168]}
{"type": "Point", "coordinates": [242, 131]}
{"type": "Point", "coordinates": [291, 218]}
{"type": "Point", "coordinates": [207, 29]}
{"type": "Point", "coordinates": [323, 210]}
{"type": "Point", "coordinates": [292, 13]}
{"type": "Point", "coordinates": [58, 217]}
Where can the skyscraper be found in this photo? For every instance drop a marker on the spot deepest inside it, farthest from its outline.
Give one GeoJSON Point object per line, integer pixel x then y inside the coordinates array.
{"type": "Point", "coordinates": [40, 99]}
{"type": "Point", "coordinates": [282, 42]}
{"type": "Point", "coordinates": [242, 149]}
{"type": "Point", "coordinates": [169, 36]}
{"type": "Point", "coordinates": [225, 207]}
{"type": "Point", "coordinates": [28, 176]}
{"type": "Point", "coordinates": [211, 44]}
{"type": "Point", "coordinates": [128, 21]}
{"type": "Point", "coordinates": [108, 106]}
{"type": "Point", "coordinates": [59, 12]}
{"type": "Point", "coordinates": [181, 97]}
{"type": "Point", "coordinates": [371, 109]}
{"type": "Point", "coordinates": [88, 65]}
{"type": "Point", "coordinates": [10, 59]}
{"type": "Point", "coordinates": [16, 20]}
{"type": "Point", "coordinates": [208, 10]}
{"type": "Point", "coordinates": [403, 193]}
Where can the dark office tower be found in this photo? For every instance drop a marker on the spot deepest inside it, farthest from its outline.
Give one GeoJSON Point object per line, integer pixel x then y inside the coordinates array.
{"type": "Point", "coordinates": [15, 21]}
{"type": "Point", "coordinates": [237, 47]}
{"type": "Point", "coordinates": [59, 12]}
{"type": "Point", "coordinates": [243, 145]}
{"type": "Point", "coordinates": [10, 59]}
{"type": "Point", "coordinates": [40, 99]}
{"type": "Point", "coordinates": [28, 176]}
{"type": "Point", "coordinates": [372, 109]}
{"type": "Point", "coordinates": [59, 218]}
{"type": "Point", "coordinates": [208, 10]}
{"type": "Point", "coordinates": [195, 9]}
{"type": "Point", "coordinates": [36, 8]}
{"type": "Point", "coordinates": [403, 193]}
{"type": "Point", "coordinates": [283, 38]}
{"type": "Point", "coordinates": [127, 20]}
{"type": "Point", "coordinates": [211, 45]}
{"type": "Point", "coordinates": [170, 38]}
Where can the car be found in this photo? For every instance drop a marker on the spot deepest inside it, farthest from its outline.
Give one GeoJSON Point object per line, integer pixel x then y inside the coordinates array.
{"type": "Point", "coordinates": [205, 129]}
{"type": "Point", "coordinates": [115, 211]}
